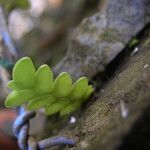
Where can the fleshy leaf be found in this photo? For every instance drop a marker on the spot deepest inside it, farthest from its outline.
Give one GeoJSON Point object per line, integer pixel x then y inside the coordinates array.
{"type": "Point", "coordinates": [62, 85]}
{"type": "Point", "coordinates": [12, 85]}
{"type": "Point", "coordinates": [70, 108]}
{"type": "Point", "coordinates": [88, 92]}
{"type": "Point", "coordinates": [56, 107]}
{"type": "Point", "coordinates": [17, 98]}
{"type": "Point", "coordinates": [44, 80]}
{"type": "Point", "coordinates": [24, 73]}
{"type": "Point", "coordinates": [79, 88]}
{"type": "Point", "coordinates": [40, 102]}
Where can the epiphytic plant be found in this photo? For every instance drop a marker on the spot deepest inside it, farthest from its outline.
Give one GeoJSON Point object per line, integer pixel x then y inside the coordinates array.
{"type": "Point", "coordinates": [37, 89]}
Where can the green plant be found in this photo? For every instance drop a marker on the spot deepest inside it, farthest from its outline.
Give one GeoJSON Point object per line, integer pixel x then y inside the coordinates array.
{"type": "Point", "coordinates": [133, 43]}
{"type": "Point", "coordinates": [37, 89]}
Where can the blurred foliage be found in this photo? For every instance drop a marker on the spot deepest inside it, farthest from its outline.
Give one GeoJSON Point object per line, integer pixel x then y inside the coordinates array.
{"type": "Point", "coordinates": [9, 5]}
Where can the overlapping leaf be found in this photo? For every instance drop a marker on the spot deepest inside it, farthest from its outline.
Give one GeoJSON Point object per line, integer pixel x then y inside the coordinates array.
{"type": "Point", "coordinates": [23, 74]}
{"type": "Point", "coordinates": [40, 102]}
{"type": "Point", "coordinates": [79, 88]}
{"type": "Point", "coordinates": [44, 80]}
{"type": "Point", "coordinates": [17, 98]}
{"type": "Point", "coordinates": [63, 85]}
{"type": "Point", "coordinates": [37, 89]}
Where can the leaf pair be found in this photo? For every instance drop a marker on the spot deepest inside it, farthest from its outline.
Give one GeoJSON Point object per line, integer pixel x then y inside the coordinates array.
{"type": "Point", "coordinates": [38, 89]}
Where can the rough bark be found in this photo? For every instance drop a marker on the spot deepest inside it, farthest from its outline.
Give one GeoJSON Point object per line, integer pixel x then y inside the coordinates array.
{"type": "Point", "coordinates": [104, 124]}
{"type": "Point", "coordinates": [118, 117]}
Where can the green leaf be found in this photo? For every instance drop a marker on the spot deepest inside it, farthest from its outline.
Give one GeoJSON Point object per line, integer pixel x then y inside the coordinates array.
{"type": "Point", "coordinates": [44, 80]}
{"type": "Point", "coordinates": [70, 108]}
{"type": "Point", "coordinates": [79, 88]}
{"type": "Point", "coordinates": [88, 92]}
{"type": "Point", "coordinates": [12, 85]}
{"type": "Point", "coordinates": [40, 102]}
{"type": "Point", "coordinates": [24, 73]}
{"type": "Point", "coordinates": [62, 85]}
{"type": "Point", "coordinates": [17, 98]}
{"type": "Point", "coordinates": [56, 107]}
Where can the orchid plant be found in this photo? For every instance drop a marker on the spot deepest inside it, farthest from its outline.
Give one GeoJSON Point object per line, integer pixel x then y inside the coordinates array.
{"type": "Point", "coordinates": [38, 89]}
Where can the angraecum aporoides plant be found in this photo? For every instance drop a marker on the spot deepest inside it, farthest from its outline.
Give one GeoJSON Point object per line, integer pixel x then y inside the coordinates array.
{"type": "Point", "coordinates": [38, 89]}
